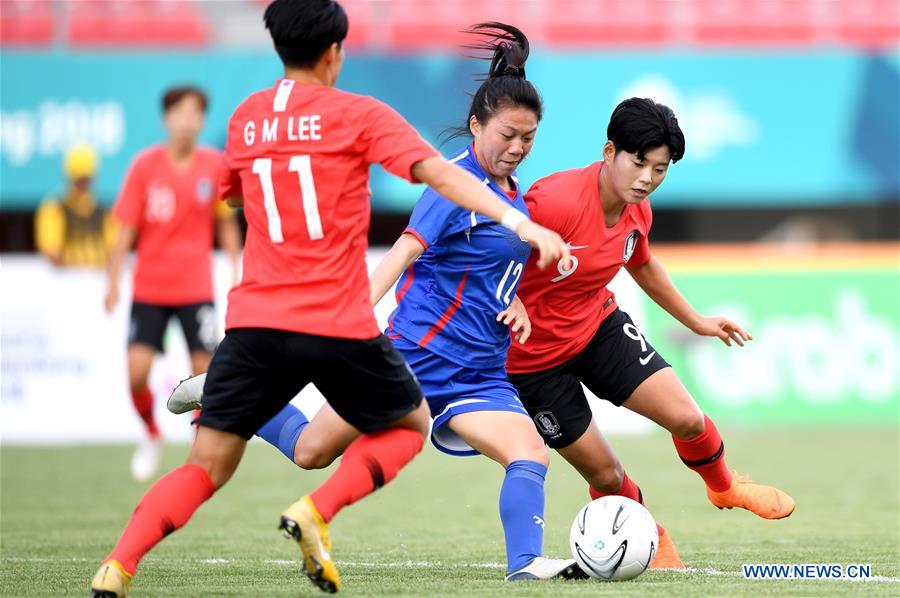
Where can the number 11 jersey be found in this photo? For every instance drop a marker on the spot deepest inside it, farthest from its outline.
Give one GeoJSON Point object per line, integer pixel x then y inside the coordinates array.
{"type": "Point", "coordinates": [299, 155]}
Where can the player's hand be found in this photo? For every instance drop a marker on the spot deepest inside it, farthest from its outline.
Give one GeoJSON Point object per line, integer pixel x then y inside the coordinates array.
{"type": "Point", "coordinates": [723, 328]}
{"type": "Point", "coordinates": [111, 299]}
{"type": "Point", "coordinates": [548, 243]}
{"type": "Point", "coordinates": [516, 317]}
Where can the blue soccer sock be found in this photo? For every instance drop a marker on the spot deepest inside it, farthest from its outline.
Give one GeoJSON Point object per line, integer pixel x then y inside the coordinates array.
{"type": "Point", "coordinates": [522, 512]}
{"type": "Point", "coordinates": [283, 430]}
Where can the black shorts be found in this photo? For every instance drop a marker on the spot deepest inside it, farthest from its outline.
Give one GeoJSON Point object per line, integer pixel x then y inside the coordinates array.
{"type": "Point", "coordinates": [198, 321]}
{"type": "Point", "coordinates": [616, 361]}
{"type": "Point", "coordinates": [255, 372]}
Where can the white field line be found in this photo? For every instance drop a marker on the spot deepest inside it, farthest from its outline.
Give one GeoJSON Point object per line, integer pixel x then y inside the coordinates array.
{"type": "Point", "coordinates": [414, 565]}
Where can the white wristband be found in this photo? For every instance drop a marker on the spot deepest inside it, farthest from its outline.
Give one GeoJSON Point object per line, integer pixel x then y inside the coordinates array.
{"type": "Point", "coordinates": [512, 218]}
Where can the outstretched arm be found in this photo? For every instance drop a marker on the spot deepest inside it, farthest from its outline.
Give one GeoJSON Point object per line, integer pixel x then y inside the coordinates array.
{"type": "Point", "coordinates": [654, 280]}
{"type": "Point", "coordinates": [404, 252]}
{"type": "Point", "coordinates": [463, 189]}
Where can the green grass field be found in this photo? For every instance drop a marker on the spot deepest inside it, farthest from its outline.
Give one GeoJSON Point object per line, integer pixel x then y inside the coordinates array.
{"type": "Point", "coordinates": [435, 531]}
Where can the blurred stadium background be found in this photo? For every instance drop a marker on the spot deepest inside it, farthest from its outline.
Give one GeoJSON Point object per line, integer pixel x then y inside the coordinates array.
{"type": "Point", "coordinates": [784, 214]}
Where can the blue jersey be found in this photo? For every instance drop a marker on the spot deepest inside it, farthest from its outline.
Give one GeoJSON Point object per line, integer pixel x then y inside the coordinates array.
{"type": "Point", "coordinates": [448, 300]}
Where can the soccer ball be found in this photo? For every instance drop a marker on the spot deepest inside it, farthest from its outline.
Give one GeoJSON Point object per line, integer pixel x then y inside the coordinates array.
{"type": "Point", "coordinates": [613, 538]}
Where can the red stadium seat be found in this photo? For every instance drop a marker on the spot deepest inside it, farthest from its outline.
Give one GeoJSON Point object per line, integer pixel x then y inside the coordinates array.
{"type": "Point", "coordinates": [26, 23]}
{"type": "Point", "coordinates": [872, 24]}
{"type": "Point", "coordinates": [583, 23]}
{"type": "Point", "coordinates": [414, 25]}
{"type": "Point", "coordinates": [358, 13]}
{"type": "Point", "coordinates": [158, 23]}
{"type": "Point", "coordinates": [753, 22]}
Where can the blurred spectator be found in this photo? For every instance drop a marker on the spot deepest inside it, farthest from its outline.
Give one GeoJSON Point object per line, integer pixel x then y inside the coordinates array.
{"type": "Point", "coordinates": [74, 230]}
{"type": "Point", "coordinates": [169, 209]}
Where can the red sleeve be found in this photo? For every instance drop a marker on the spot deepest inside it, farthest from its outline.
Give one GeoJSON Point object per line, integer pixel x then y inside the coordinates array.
{"type": "Point", "coordinates": [130, 204]}
{"type": "Point", "coordinates": [393, 142]}
{"type": "Point", "coordinates": [229, 175]}
{"type": "Point", "coordinates": [641, 253]}
{"type": "Point", "coordinates": [540, 202]}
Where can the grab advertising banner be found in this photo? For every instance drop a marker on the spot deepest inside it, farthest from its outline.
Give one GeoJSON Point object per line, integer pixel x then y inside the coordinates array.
{"type": "Point", "coordinates": [826, 334]}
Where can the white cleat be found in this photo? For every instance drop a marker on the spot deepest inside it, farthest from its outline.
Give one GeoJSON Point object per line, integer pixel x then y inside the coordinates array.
{"type": "Point", "coordinates": [187, 395]}
{"type": "Point", "coordinates": [145, 460]}
{"type": "Point", "coordinates": [544, 568]}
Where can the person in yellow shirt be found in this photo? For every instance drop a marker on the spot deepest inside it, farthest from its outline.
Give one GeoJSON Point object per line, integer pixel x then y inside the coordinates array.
{"type": "Point", "coordinates": [74, 230]}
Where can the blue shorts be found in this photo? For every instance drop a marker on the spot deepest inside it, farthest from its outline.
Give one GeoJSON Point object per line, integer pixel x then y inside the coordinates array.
{"type": "Point", "coordinates": [451, 389]}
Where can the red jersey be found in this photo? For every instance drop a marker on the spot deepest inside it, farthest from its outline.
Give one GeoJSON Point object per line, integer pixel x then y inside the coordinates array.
{"type": "Point", "coordinates": [173, 210]}
{"type": "Point", "coordinates": [299, 154]}
{"type": "Point", "coordinates": [568, 303]}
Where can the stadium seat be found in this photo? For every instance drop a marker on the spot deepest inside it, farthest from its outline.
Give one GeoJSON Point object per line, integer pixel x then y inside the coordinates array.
{"type": "Point", "coordinates": [26, 23]}
{"type": "Point", "coordinates": [752, 22]}
{"type": "Point", "coordinates": [415, 25]}
{"type": "Point", "coordinates": [358, 13]}
{"type": "Point", "coordinates": [872, 24]}
{"type": "Point", "coordinates": [582, 23]}
{"type": "Point", "coordinates": [159, 23]}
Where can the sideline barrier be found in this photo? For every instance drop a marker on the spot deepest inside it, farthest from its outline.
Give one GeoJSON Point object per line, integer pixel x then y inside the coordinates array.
{"type": "Point", "coordinates": [826, 326]}
{"type": "Point", "coordinates": [825, 322]}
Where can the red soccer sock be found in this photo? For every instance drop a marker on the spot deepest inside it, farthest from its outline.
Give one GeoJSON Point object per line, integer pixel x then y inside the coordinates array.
{"type": "Point", "coordinates": [629, 490]}
{"type": "Point", "coordinates": [370, 462]}
{"type": "Point", "coordinates": [166, 506]}
{"type": "Point", "coordinates": [143, 404]}
{"type": "Point", "coordinates": [705, 454]}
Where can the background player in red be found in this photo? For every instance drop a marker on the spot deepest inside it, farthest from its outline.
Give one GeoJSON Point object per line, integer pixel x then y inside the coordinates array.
{"type": "Point", "coordinates": [168, 204]}
{"type": "Point", "coordinates": [297, 158]}
{"type": "Point", "coordinates": [580, 336]}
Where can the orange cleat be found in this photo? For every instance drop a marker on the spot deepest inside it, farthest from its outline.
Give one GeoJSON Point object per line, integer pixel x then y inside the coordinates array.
{"type": "Point", "coordinates": [766, 501]}
{"type": "Point", "coordinates": [667, 555]}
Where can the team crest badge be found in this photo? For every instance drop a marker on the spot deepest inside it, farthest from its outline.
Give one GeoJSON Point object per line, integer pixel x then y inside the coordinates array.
{"type": "Point", "coordinates": [630, 244]}
{"type": "Point", "coordinates": [547, 423]}
{"type": "Point", "coordinates": [204, 190]}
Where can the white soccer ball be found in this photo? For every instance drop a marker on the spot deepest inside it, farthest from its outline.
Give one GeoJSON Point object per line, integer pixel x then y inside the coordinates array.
{"type": "Point", "coordinates": [614, 538]}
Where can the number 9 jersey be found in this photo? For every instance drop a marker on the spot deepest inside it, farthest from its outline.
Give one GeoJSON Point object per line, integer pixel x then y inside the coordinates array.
{"type": "Point", "coordinates": [299, 155]}
{"type": "Point", "coordinates": [449, 298]}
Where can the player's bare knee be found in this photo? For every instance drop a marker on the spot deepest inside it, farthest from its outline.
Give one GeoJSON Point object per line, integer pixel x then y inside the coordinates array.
{"type": "Point", "coordinates": [689, 425]}
{"type": "Point", "coordinates": [542, 457]}
{"type": "Point", "coordinates": [536, 452]}
{"type": "Point", "coordinates": [609, 479]}
{"type": "Point", "coordinates": [137, 385]}
{"type": "Point", "coordinates": [219, 470]}
{"type": "Point", "coordinates": [309, 455]}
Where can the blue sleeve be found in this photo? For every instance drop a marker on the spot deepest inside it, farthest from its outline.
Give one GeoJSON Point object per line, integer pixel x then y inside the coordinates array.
{"type": "Point", "coordinates": [435, 218]}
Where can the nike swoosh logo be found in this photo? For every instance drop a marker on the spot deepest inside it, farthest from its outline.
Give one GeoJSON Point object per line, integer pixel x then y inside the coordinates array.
{"type": "Point", "coordinates": [646, 360]}
{"type": "Point", "coordinates": [616, 526]}
{"type": "Point", "coordinates": [573, 247]}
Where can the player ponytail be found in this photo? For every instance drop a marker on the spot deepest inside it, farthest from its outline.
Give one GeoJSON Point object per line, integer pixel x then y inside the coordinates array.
{"type": "Point", "coordinates": [505, 85]}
